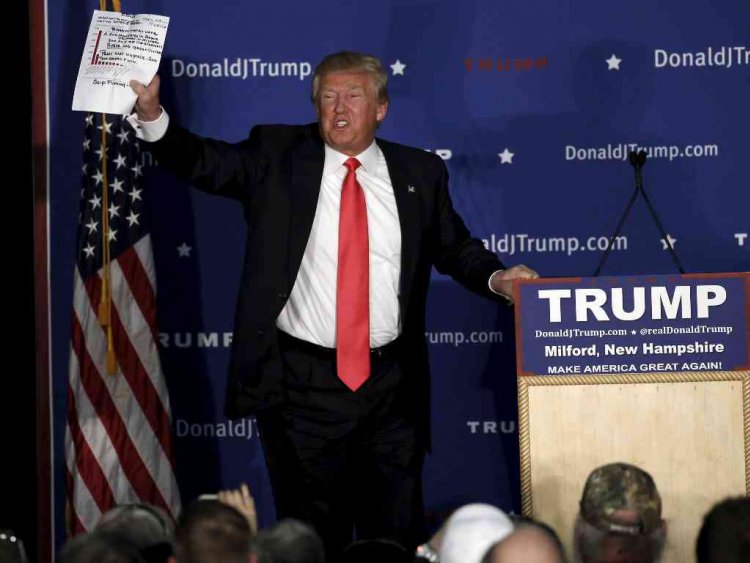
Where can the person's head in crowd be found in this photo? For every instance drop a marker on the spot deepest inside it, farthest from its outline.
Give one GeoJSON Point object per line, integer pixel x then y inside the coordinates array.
{"type": "Point", "coordinates": [530, 542]}
{"type": "Point", "coordinates": [376, 551]}
{"type": "Point", "coordinates": [725, 534]}
{"type": "Point", "coordinates": [101, 546]}
{"type": "Point", "coordinates": [148, 528]}
{"type": "Point", "coordinates": [471, 531]}
{"type": "Point", "coordinates": [289, 541]}
{"type": "Point", "coordinates": [620, 517]}
{"type": "Point", "coordinates": [209, 531]}
{"type": "Point", "coordinates": [11, 548]}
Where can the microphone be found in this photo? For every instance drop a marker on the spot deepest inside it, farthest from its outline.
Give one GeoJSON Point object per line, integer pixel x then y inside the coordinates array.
{"type": "Point", "coordinates": [637, 160]}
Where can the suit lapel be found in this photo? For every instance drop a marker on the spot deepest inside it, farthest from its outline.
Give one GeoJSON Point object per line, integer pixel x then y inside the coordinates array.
{"type": "Point", "coordinates": [407, 202]}
{"type": "Point", "coordinates": [306, 164]}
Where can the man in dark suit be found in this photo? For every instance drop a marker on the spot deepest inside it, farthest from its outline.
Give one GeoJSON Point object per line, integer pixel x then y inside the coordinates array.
{"type": "Point", "coordinates": [329, 350]}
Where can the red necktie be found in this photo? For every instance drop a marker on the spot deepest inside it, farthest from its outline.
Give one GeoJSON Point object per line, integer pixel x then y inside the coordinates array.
{"type": "Point", "coordinates": [353, 285]}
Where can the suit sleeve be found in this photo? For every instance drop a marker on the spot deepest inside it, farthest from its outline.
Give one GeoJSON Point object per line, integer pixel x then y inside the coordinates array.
{"type": "Point", "coordinates": [213, 166]}
{"type": "Point", "coordinates": [455, 252]}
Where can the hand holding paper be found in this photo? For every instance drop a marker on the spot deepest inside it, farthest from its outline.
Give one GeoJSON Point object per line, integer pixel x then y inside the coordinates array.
{"type": "Point", "coordinates": [147, 104]}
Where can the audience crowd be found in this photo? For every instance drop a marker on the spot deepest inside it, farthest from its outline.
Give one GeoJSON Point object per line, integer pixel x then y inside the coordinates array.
{"type": "Point", "coordinates": [619, 521]}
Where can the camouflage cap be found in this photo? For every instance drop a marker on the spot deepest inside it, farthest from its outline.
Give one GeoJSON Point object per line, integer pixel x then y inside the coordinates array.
{"type": "Point", "coordinates": [621, 487]}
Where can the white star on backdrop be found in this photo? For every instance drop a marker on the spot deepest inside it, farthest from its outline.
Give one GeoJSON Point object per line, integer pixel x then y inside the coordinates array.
{"type": "Point", "coordinates": [613, 63]}
{"type": "Point", "coordinates": [114, 211]}
{"type": "Point", "coordinates": [95, 202]}
{"type": "Point", "coordinates": [89, 250]}
{"type": "Point", "coordinates": [91, 226]}
{"type": "Point", "coordinates": [184, 250]}
{"type": "Point", "coordinates": [398, 68]}
{"type": "Point", "coordinates": [506, 157]}
{"type": "Point", "coordinates": [98, 177]}
{"type": "Point", "coordinates": [112, 235]}
{"type": "Point", "coordinates": [670, 240]}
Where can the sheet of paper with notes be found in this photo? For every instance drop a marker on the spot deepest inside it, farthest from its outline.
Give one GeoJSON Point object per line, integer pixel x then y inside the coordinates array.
{"type": "Point", "coordinates": [119, 48]}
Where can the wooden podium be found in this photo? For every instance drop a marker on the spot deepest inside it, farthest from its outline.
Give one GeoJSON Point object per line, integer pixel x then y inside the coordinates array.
{"type": "Point", "coordinates": [690, 430]}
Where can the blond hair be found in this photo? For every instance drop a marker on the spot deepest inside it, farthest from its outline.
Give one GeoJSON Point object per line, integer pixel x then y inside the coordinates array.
{"type": "Point", "coordinates": [354, 62]}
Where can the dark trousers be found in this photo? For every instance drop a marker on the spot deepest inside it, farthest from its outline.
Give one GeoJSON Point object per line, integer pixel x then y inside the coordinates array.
{"type": "Point", "coordinates": [344, 460]}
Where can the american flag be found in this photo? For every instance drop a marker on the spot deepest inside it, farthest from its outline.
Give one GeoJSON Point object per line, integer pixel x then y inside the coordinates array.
{"type": "Point", "coordinates": [118, 436]}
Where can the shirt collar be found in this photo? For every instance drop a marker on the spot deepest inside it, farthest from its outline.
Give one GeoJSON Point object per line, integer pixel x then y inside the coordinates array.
{"type": "Point", "coordinates": [334, 159]}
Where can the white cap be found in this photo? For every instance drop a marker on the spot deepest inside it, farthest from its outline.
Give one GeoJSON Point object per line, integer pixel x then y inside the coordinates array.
{"type": "Point", "coordinates": [471, 531]}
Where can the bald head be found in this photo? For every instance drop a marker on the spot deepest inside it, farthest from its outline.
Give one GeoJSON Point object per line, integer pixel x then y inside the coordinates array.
{"type": "Point", "coordinates": [527, 544]}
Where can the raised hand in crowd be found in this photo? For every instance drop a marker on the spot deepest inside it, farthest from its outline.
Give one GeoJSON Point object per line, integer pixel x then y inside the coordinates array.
{"type": "Point", "coordinates": [242, 500]}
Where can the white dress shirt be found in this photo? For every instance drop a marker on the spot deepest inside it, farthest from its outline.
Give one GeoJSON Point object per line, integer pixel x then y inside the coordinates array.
{"type": "Point", "coordinates": [310, 312]}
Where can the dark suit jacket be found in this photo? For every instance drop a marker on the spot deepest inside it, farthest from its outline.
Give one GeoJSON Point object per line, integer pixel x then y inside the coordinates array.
{"type": "Point", "coordinates": [276, 175]}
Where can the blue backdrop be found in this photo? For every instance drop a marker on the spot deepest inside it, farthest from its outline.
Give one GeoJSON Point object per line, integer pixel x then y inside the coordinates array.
{"type": "Point", "coordinates": [533, 106]}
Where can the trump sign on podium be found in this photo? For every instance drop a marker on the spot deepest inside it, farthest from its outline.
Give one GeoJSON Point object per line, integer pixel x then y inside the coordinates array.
{"type": "Point", "coordinates": [633, 324]}
{"type": "Point", "coordinates": [652, 370]}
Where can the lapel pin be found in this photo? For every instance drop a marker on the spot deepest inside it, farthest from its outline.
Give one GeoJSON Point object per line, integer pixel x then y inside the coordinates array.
{"type": "Point", "coordinates": [411, 189]}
